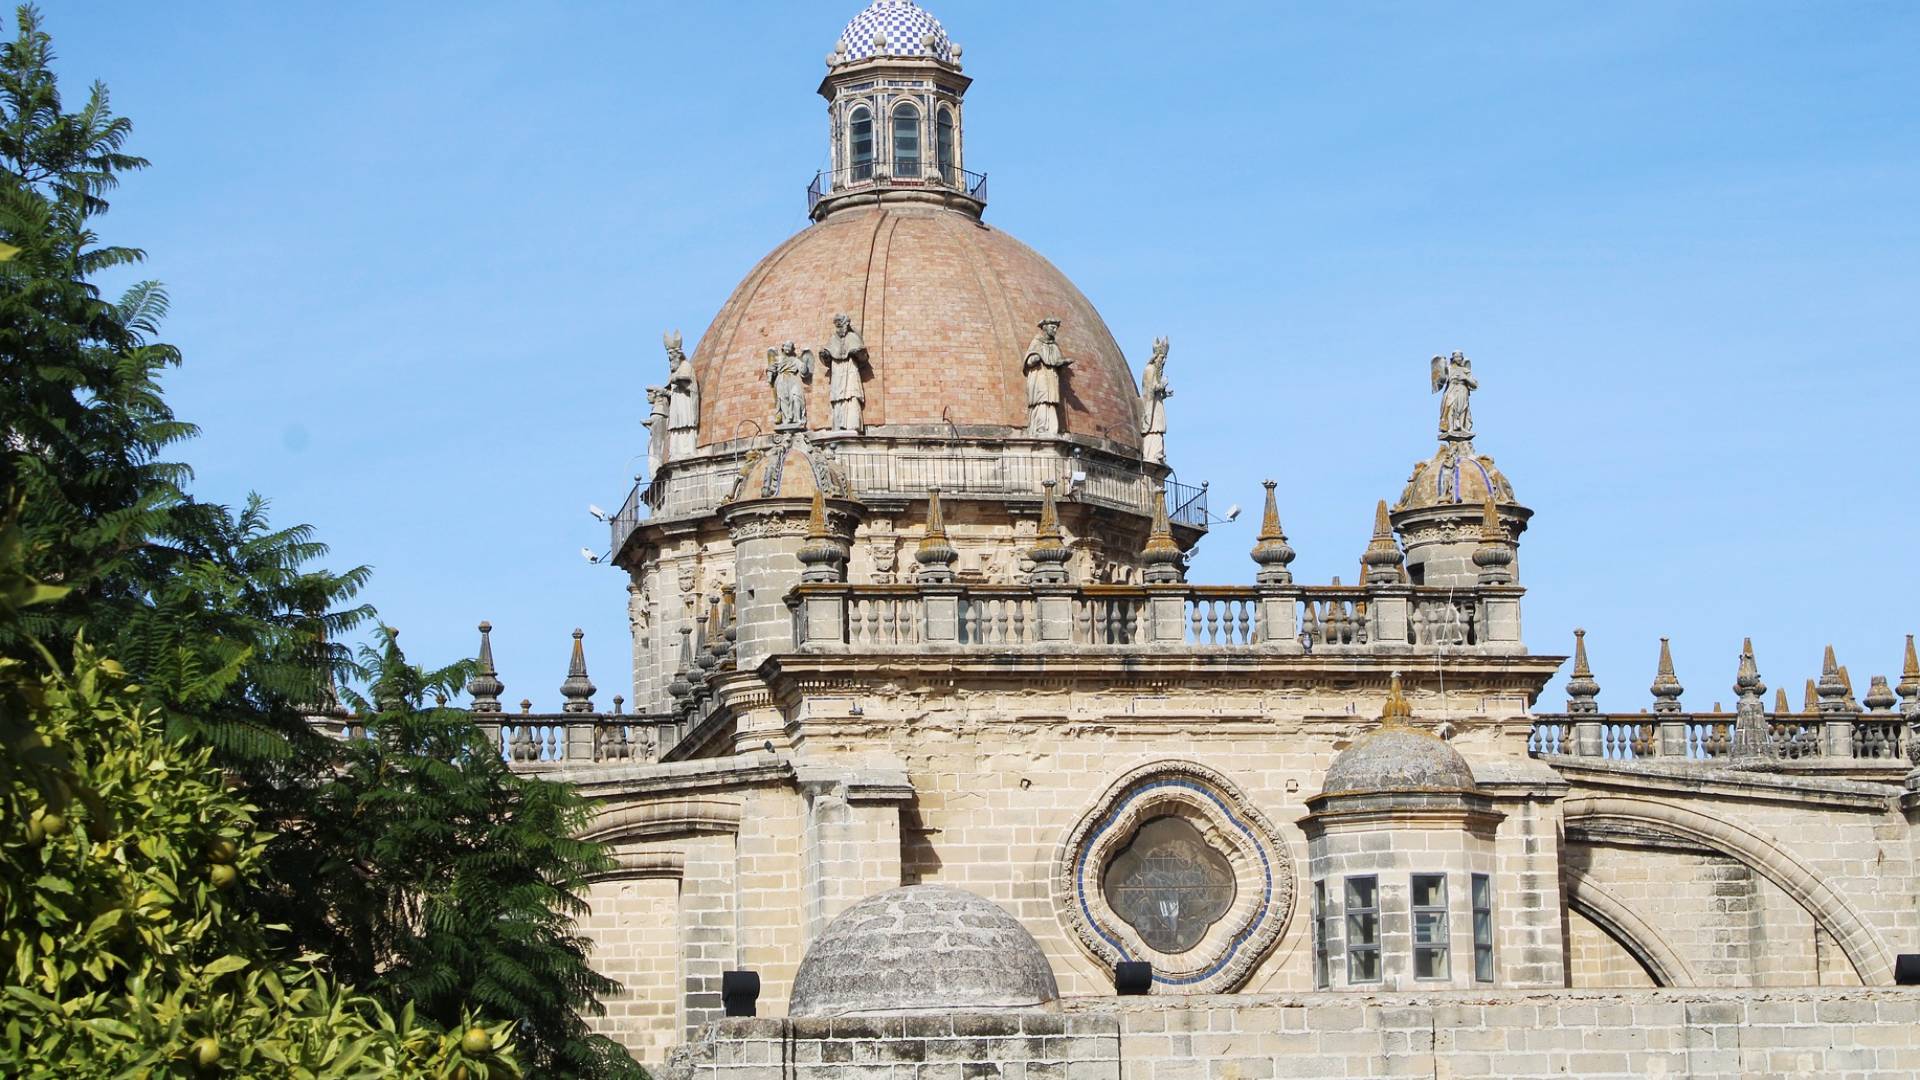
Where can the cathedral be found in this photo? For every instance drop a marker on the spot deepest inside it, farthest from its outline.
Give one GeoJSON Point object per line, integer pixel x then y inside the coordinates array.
{"type": "Point", "coordinates": [934, 763]}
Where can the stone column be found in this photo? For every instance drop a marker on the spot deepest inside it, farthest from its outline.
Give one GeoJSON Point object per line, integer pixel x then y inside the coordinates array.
{"type": "Point", "coordinates": [768, 537]}
{"type": "Point", "coordinates": [852, 837]}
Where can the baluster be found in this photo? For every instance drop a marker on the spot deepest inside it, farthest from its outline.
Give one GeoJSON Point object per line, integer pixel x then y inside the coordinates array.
{"type": "Point", "coordinates": [1213, 622]}
{"type": "Point", "coordinates": [1193, 622]}
{"type": "Point", "coordinates": [1020, 621]}
{"type": "Point", "coordinates": [1083, 622]}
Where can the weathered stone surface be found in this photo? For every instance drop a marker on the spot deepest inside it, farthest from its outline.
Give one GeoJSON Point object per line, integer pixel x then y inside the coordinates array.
{"type": "Point", "coordinates": [922, 948]}
{"type": "Point", "coordinates": [1398, 759]}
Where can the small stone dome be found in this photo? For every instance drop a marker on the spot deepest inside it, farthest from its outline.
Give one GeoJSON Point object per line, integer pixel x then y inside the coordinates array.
{"type": "Point", "coordinates": [1455, 475]}
{"type": "Point", "coordinates": [920, 949]}
{"type": "Point", "coordinates": [1396, 758]}
{"type": "Point", "coordinates": [791, 468]}
{"type": "Point", "coordinates": [906, 28]}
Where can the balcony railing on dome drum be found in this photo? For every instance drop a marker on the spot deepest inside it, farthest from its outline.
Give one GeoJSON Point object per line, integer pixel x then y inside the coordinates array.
{"type": "Point", "coordinates": [919, 175]}
{"type": "Point", "coordinates": [876, 474]}
{"type": "Point", "coordinates": [1296, 620]}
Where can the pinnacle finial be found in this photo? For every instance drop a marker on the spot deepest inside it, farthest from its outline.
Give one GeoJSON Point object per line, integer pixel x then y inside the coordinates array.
{"type": "Point", "coordinates": [935, 554]}
{"type": "Point", "coordinates": [1049, 551]}
{"type": "Point", "coordinates": [1396, 712]}
{"type": "Point", "coordinates": [1811, 702]}
{"type": "Point", "coordinates": [681, 687]}
{"type": "Point", "coordinates": [1161, 556]}
{"type": "Point", "coordinates": [1494, 556]}
{"type": "Point", "coordinates": [577, 689]}
{"type": "Point", "coordinates": [485, 685]}
{"type": "Point", "coordinates": [1833, 687]}
{"type": "Point", "coordinates": [1382, 562]}
{"type": "Point", "coordinates": [1748, 678]}
{"type": "Point", "coordinates": [1666, 685]}
{"type": "Point", "coordinates": [1879, 697]}
{"type": "Point", "coordinates": [1909, 685]}
{"type": "Point", "coordinates": [1270, 548]}
{"type": "Point", "coordinates": [1582, 687]}
{"type": "Point", "coordinates": [1751, 736]}
{"type": "Point", "coordinates": [822, 557]}
{"type": "Point", "coordinates": [1780, 702]}
{"type": "Point", "coordinates": [817, 516]}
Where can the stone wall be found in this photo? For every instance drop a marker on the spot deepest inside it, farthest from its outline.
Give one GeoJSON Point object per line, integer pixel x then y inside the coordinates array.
{"type": "Point", "coordinates": [1864, 1034]}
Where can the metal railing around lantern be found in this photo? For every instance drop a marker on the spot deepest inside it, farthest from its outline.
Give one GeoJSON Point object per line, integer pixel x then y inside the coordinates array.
{"type": "Point", "coordinates": [907, 175]}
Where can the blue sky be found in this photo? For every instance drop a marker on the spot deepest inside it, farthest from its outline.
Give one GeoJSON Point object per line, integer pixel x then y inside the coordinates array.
{"type": "Point", "coordinates": [421, 256]}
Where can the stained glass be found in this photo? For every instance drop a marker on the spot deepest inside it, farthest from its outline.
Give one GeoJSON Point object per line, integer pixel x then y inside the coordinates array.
{"type": "Point", "coordinates": [1169, 884]}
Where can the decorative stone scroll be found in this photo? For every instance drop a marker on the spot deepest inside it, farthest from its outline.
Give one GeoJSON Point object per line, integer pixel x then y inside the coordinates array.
{"type": "Point", "coordinates": [1174, 866]}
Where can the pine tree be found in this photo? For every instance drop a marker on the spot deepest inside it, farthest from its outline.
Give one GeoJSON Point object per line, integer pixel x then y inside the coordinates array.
{"type": "Point", "coordinates": [459, 881]}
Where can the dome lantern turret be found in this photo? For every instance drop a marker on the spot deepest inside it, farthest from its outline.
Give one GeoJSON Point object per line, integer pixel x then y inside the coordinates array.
{"type": "Point", "coordinates": [894, 99]}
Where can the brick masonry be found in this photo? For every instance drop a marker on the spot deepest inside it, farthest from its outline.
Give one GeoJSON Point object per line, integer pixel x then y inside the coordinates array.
{"type": "Point", "coordinates": [946, 305]}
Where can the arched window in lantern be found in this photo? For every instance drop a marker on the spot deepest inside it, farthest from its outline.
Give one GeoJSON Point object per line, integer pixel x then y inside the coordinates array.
{"type": "Point", "coordinates": [943, 143]}
{"type": "Point", "coordinates": [860, 144]}
{"type": "Point", "coordinates": [906, 141]}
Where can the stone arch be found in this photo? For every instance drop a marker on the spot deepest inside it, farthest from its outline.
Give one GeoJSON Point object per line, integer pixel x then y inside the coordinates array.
{"type": "Point", "coordinates": [1641, 939]}
{"type": "Point", "coordinates": [1764, 855]}
{"type": "Point", "coordinates": [668, 817]}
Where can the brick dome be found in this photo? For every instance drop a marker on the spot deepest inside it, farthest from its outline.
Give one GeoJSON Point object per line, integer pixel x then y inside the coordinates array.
{"type": "Point", "coordinates": [946, 305]}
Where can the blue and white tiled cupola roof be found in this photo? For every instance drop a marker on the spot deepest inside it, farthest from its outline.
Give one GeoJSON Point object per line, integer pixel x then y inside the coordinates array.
{"type": "Point", "coordinates": [894, 28]}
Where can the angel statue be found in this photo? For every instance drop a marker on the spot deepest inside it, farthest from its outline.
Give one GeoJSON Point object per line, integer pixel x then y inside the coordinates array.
{"type": "Point", "coordinates": [1453, 381]}
{"type": "Point", "coordinates": [1154, 392]}
{"type": "Point", "coordinates": [788, 372]}
{"type": "Point", "coordinates": [683, 399]}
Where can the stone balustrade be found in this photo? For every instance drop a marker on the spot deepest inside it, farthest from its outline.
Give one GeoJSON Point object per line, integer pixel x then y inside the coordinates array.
{"type": "Point", "coordinates": [544, 741]}
{"type": "Point", "coordinates": [1854, 739]}
{"type": "Point", "coordinates": [839, 617]}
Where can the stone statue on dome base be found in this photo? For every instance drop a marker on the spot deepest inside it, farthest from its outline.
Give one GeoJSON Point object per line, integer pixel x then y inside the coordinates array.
{"type": "Point", "coordinates": [1453, 381]}
{"type": "Point", "coordinates": [657, 404]}
{"type": "Point", "coordinates": [1044, 366]}
{"type": "Point", "coordinates": [846, 358]}
{"type": "Point", "coordinates": [789, 370]}
{"type": "Point", "coordinates": [683, 400]}
{"type": "Point", "coordinates": [1154, 392]}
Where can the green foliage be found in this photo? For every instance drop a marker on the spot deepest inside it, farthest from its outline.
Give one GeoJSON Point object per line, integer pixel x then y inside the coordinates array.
{"type": "Point", "coordinates": [456, 881]}
{"type": "Point", "coordinates": [122, 951]}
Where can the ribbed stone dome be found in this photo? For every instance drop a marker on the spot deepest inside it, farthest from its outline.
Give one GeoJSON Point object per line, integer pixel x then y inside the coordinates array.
{"type": "Point", "coordinates": [1455, 475]}
{"type": "Point", "coordinates": [946, 306]}
{"type": "Point", "coordinates": [922, 948]}
{"type": "Point", "coordinates": [904, 26]}
{"type": "Point", "coordinates": [1395, 758]}
{"type": "Point", "coordinates": [791, 469]}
